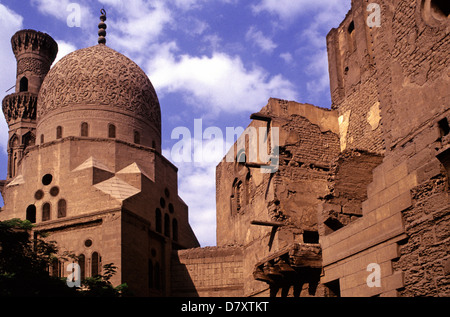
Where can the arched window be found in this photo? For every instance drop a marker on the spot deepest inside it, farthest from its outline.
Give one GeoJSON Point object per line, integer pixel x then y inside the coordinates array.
{"type": "Point", "coordinates": [62, 208]}
{"type": "Point", "coordinates": [157, 276]}
{"type": "Point", "coordinates": [166, 225]}
{"type": "Point", "coordinates": [137, 137]}
{"type": "Point", "coordinates": [59, 132]}
{"type": "Point", "coordinates": [351, 36]}
{"type": "Point", "coordinates": [84, 129]}
{"type": "Point", "coordinates": [31, 213]}
{"type": "Point", "coordinates": [46, 212]}
{"type": "Point", "coordinates": [28, 139]}
{"type": "Point", "coordinates": [150, 274]}
{"type": "Point", "coordinates": [42, 139]}
{"type": "Point", "coordinates": [82, 264]}
{"type": "Point", "coordinates": [111, 131]}
{"type": "Point", "coordinates": [158, 220]}
{"type": "Point", "coordinates": [55, 265]}
{"type": "Point", "coordinates": [175, 230]}
{"type": "Point", "coordinates": [95, 262]}
{"type": "Point", "coordinates": [23, 84]}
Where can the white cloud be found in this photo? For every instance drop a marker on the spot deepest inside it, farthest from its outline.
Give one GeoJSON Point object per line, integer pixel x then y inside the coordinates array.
{"type": "Point", "coordinates": [260, 40]}
{"type": "Point", "coordinates": [64, 48]}
{"type": "Point", "coordinates": [10, 23]}
{"type": "Point", "coordinates": [319, 67]}
{"type": "Point", "coordinates": [63, 10]}
{"type": "Point", "coordinates": [141, 24]}
{"type": "Point", "coordinates": [286, 9]}
{"type": "Point", "coordinates": [287, 57]}
{"type": "Point", "coordinates": [325, 14]}
{"type": "Point", "coordinates": [199, 177]}
{"type": "Point", "coordinates": [215, 83]}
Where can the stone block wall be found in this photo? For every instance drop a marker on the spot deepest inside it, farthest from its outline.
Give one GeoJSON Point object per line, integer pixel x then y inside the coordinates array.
{"type": "Point", "coordinates": [207, 272]}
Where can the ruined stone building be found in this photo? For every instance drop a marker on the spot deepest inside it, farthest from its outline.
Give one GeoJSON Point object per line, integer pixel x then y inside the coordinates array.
{"type": "Point", "coordinates": [361, 189]}
{"type": "Point", "coordinates": [358, 204]}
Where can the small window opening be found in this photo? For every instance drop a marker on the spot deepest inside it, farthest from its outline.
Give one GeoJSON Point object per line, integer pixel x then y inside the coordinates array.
{"type": "Point", "coordinates": [59, 132]}
{"type": "Point", "coordinates": [441, 8]}
{"type": "Point", "coordinates": [158, 220]}
{"type": "Point", "coordinates": [150, 274]}
{"type": "Point", "coordinates": [82, 264]}
{"type": "Point", "coordinates": [137, 137]}
{"type": "Point", "coordinates": [84, 129]}
{"type": "Point", "coordinates": [62, 208]}
{"type": "Point", "coordinates": [88, 243]}
{"type": "Point", "coordinates": [444, 127]}
{"type": "Point", "coordinates": [47, 179]}
{"type": "Point", "coordinates": [39, 194]}
{"type": "Point", "coordinates": [46, 212]}
{"type": "Point", "coordinates": [23, 85]}
{"type": "Point", "coordinates": [157, 276]}
{"type": "Point", "coordinates": [95, 269]}
{"type": "Point", "coordinates": [166, 225]}
{"type": "Point", "coordinates": [54, 191]}
{"type": "Point", "coordinates": [310, 236]}
{"type": "Point", "coordinates": [42, 139]}
{"type": "Point", "coordinates": [351, 36]}
{"type": "Point", "coordinates": [333, 289]}
{"type": "Point", "coordinates": [175, 230]}
{"type": "Point", "coordinates": [111, 131]}
{"type": "Point", "coordinates": [333, 224]}
{"type": "Point", "coordinates": [31, 213]}
{"type": "Point", "coordinates": [351, 27]}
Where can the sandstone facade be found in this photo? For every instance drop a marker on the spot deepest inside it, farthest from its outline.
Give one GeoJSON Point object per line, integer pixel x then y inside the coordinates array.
{"type": "Point", "coordinates": [336, 196]}
{"type": "Point", "coordinates": [363, 184]}
{"type": "Point", "coordinates": [85, 163]}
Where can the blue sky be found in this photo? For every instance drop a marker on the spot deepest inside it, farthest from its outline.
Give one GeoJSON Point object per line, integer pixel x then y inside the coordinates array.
{"type": "Point", "coordinates": [215, 60]}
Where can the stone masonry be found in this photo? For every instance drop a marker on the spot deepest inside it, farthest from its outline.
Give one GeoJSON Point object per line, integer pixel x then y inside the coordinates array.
{"type": "Point", "coordinates": [362, 188]}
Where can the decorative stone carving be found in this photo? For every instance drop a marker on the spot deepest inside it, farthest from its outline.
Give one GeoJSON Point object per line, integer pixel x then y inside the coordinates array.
{"type": "Point", "coordinates": [19, 106]}
{"type": "Point", "coordinates": [99, 76]}
{"type": "Point", "coordinates": [31, 40]}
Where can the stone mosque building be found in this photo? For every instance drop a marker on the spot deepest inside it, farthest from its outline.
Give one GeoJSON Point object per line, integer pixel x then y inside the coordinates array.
{"type": "Point", "coordinates": [359, 204]}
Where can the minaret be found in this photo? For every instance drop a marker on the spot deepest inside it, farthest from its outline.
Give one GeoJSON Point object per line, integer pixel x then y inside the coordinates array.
{"type": "Point", "coordinates": [35, 53]}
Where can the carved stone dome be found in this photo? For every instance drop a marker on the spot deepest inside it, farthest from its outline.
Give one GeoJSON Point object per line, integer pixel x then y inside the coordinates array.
{"type": "Point", "coordinates": [99, 78]}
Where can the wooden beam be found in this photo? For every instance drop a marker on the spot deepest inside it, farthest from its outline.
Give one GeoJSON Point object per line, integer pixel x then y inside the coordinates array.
{"type": "Point", "coordinates": [257, 165]}
{"type": "Point", "coordinates": [260, 117]}
{"type": "Point", "coordinates": [268, 223]}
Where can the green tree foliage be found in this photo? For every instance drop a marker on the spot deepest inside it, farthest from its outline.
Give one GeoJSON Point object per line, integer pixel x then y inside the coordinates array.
{"type": "Point", "coordinates": [24, 264]}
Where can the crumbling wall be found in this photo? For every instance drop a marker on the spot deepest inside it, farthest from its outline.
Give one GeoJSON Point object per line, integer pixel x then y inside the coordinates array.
{"type": "Point", "coordinates": [348, 179]}
{"type": "Point", "coordinates": [424, 255]}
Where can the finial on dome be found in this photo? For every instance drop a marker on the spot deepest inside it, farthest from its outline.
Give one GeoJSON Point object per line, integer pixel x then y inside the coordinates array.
{"type": "Point", "coordinates": [102, 28]}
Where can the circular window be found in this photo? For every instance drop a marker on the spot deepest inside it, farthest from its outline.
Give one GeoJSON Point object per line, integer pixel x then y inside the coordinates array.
{"type": "Point", "coordinates": [54, 191]}
{"type": "Point", "coordinates": [47, 179]}
{"type": "Point", "coordinates": [162, 202]}
{"type": "Point", "coordinates": [38, 195]}
{"type": "Point", "coordinates": [88, 243]}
